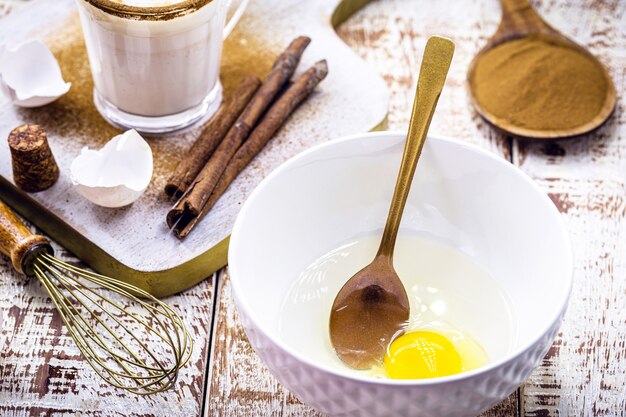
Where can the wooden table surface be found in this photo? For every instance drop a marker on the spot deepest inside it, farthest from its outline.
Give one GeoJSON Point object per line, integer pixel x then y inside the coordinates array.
{"type": "Point", "coordinates": [584, 373]}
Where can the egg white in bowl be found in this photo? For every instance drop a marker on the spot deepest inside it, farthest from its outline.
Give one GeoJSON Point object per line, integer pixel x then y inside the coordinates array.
{"type": "Point", "coordinates": [463, 200]}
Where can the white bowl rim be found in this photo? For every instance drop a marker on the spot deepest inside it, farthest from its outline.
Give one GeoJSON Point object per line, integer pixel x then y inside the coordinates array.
{"type": "Point", "coordinates": [241, 302]}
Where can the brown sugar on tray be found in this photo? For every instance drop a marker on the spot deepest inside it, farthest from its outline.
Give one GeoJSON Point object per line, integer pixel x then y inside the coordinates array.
{"type": "Point", "coordinates": [212, 133]}
{"type": "Point", "coordinates": [34, 166]}
{"type": "Point", "coordinates": [267, 110]}
{"type": "Point", "coordinates": [191, 203]}
{"type": "Point", "coordinates": [260, 136]}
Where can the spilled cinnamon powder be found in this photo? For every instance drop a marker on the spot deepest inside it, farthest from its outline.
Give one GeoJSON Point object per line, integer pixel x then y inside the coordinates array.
{"type": "Point", "coordinates": [75, 122]}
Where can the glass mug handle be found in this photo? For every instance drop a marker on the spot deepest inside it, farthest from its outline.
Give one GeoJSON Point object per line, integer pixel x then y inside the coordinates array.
{"type": "Point", "coordinates": [236, 15]}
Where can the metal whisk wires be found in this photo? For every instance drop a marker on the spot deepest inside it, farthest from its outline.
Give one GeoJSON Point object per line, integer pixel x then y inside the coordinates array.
{"type": "Point", "coordinates": [132, 340]}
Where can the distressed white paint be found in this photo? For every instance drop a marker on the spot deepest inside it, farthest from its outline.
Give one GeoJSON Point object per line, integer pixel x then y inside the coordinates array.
{"type": "Point", "coordinates": [585, 372]}
{"type": "Point", "coordinates": [390, 35]}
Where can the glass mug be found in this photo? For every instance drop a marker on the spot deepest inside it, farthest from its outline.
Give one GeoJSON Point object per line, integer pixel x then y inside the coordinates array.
{"type": "Point", "coordinates": [155, 63]}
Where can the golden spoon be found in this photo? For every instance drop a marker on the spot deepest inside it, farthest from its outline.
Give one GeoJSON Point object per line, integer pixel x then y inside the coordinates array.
{"type": "Point", "coordinates": [373, 305]}
{"type": "Point", "coordinates": [519, 20]}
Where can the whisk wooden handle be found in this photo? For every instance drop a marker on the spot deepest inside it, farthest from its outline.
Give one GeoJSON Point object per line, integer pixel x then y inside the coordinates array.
{"type": "Point", "coordinates": [17, 242]}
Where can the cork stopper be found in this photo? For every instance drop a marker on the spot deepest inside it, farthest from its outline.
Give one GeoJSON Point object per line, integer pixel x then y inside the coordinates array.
{"type": "Point", "coordinates": [34, 167]}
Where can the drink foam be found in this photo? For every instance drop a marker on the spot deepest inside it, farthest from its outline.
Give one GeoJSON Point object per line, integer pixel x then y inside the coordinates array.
{"type": "Point", "coordinates": [147, 3]}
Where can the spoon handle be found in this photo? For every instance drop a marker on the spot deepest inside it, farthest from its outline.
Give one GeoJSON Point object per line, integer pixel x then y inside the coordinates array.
{"type": "Point", "coordinates": [435, 64]}
{"type": "Point", "coordinates": [518, 19]}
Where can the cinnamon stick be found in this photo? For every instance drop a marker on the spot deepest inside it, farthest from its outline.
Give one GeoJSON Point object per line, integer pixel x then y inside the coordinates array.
{"type": "Point", "coordinates": [211, 135]}
{"type": "Point", "coordinates": [199, 191]}
{"type": "Point", "coordinates": [272, 121]}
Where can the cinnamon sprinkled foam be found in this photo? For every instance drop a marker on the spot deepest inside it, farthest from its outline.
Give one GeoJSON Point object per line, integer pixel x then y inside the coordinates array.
{"type": "Point", "coordinates": [147, 3]}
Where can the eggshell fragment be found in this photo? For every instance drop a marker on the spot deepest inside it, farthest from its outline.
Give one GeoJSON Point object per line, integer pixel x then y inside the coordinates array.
{"type": "Point", "coordinates": [117, 174]}
{"type": "Point", "coordinates": [30, 75]}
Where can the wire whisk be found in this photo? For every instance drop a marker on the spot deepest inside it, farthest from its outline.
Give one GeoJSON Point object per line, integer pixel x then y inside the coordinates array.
{"type": "Point", "coordinates": [132, 340]}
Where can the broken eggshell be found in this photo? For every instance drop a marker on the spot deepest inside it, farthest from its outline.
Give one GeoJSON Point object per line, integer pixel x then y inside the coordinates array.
{"type": "Point", "coordinates": [117, 174]}
{"type": "Point", "coordinates": [30, 75]}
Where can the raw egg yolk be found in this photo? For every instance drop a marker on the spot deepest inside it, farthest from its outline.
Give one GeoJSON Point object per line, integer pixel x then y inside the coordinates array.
{"type": "Point", "coordinates": [421, 354]}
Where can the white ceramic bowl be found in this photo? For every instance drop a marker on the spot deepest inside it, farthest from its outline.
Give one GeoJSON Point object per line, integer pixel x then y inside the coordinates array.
{"type": "Point", "coordinates": [466, 196]}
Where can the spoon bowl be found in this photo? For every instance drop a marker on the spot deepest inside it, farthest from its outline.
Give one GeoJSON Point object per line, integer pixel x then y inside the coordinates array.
{"type": "Point", "coordinates": [520, 20]}
{"type": "Point", "coordinates": [366, 315]}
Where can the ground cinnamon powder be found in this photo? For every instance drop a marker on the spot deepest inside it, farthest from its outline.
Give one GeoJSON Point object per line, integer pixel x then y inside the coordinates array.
{"type": "Point", "coordinates": [537, 82]}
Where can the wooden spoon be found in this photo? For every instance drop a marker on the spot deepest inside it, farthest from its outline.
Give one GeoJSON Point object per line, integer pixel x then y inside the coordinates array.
{"type": "Point", "coordinates": [519, 19]}
{"type": "Point", "coordinates": [373, 305]}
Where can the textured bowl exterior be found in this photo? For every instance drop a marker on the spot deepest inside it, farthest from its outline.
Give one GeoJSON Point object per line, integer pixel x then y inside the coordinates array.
{"type": "Point", "coordinates": [340, 396]}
